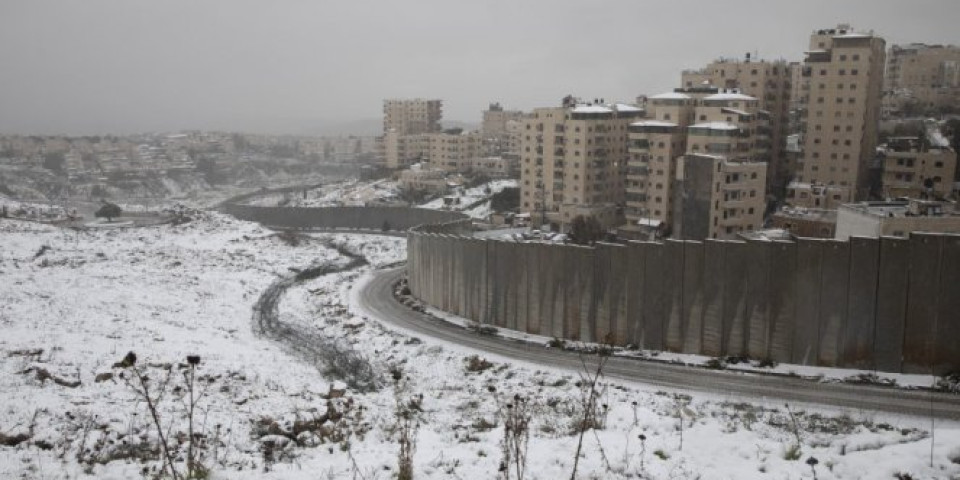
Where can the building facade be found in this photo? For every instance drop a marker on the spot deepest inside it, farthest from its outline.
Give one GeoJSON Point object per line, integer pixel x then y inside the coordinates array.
{"type": "Point", "coordinates": [573, 160]}
{"type": "Point", "coordinates": [412, 116]}
{"type": "Point", "coordinates": [926, 74]}
{"type": "Point", "coordinates": [918, 167]}
{"type": "Point", "coordinates": [771, 83]}
{"type": "Point", "coordinates": [842, 82]}
{"type": "Point", "coordinates": [897, 218]}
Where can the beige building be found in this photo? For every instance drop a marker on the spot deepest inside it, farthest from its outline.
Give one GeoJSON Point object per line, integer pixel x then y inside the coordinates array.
{"type": "Point", "coordinates": [717, 197]}
{"type": "Point", "coordinates": [842, 81]}
{"type": "Point", "coordinates": [815, 195]}
{"type": "Point", "coordinates": [401, 151]}
{"type": "Point", "coordinates": [899, 218]}
{"type": "Point", "coordinates": [806, 222]}
{"type": "Point", "coordinates": [499, 128]}
{"type": "Point", "coordinates": [771, 83]}
{"type": "Point", "coordinates": [917, 167]}
{"type": "Point", "coordinates": [703, 122]}
{"type": "Point", "coordinates": [412, 116]}
{"type": "Point", "coordinates": [421, 177]}
{"type": "Point", "coordinates": [573, 160]}
{"type": "Point", "coordinates": [927, 74]}
{"type": "Point", "coordinates": [454, 151]}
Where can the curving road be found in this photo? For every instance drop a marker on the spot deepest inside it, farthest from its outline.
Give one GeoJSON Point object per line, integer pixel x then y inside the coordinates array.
{"type": "Point", "coordinates": [377, 300]}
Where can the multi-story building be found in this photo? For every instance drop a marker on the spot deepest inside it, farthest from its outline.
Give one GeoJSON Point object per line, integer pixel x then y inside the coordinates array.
{"type": "Point", "coordinates": [926, 74]}
{"type": "Point", "coordinates": [699, 122]}
{"type": "Point", "coordinates": [496, 128]}
{"type": "Point", "coordinates": [771, 83]}
{"type": "Point", "coordinates": [573, 160]}
{"type": "Point", "coordinates": [918, 167]}
{"type": "Point", "coordinates": [842, 81]}
{"type": "Point", "coordinates": [815, 195]}
{"type": "Point", "coordinates": [718, 197]}
{"type": "Point", "coordinates": [454, 150]}
{"type": "Point", "coordinates": [400, 151]}
{"type": "Point", "coordinates": [655, 145]}
{"type": "Point", "coordinates": [412, 116]}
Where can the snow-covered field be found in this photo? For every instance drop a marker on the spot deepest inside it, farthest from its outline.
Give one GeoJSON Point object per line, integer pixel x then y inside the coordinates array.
{"type": "Point", "coordinates": [73, 304]}
{"type": "Point", "coordinates": [344, 193]}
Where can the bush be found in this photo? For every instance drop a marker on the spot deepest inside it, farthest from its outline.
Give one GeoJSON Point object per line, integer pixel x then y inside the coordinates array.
{"type": "Point", "coordinates": [475, 363]}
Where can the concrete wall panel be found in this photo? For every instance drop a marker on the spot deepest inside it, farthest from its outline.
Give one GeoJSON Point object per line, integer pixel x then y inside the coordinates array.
{"type": "Point", "coordinates": [735, 298]}
{"type": "Point", "coordinates": [634, 292]}
{"type": "Point", "coordinates": [619, 268]}
{"type": "Point", "coordinates": [692, 307]}
{"type": "Point", "coordinates": [891, 303]}
{"type": "Point", "coordinates": [806, 333]}
{"type": "Point", "coordinates": [713, 255]}
{"type": "Point", "coordinates": [654, 297]}
{"type": "Point", "coordinates": [782, 304]}
{"type": "Point", "coordinates": [947, 348]}
{"type": "Point", "coordinates": [856, 349]}
{"type": "Point", "coordinates": [673, 291]}
{"type": "Point", "coordinates": [835, 275]}
{"type": "Point", "coordinates": [922, 307]}
{"type": "Point", "coordinates": [758, 299]}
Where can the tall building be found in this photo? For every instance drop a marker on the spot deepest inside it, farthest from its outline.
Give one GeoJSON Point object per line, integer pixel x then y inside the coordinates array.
{"type": "Point", "coordinates": [453, 151]}
{"type": "Point", "coordinates": [771, 83]}
{"type": "Point", "coordinates": [412, 116]}
{"type": "Point", "coordinates": [693, 126]}
{"type": "Point", "coordinates": [406, 123]}
{"type": "Point", "coordinates": [927, 74]}
{"type": "Point", "coordinates": [842, 81]}
{"type": "Point", "coordinates": [496, 128]}
{"type": "Point", "coordinates": [573, 160]}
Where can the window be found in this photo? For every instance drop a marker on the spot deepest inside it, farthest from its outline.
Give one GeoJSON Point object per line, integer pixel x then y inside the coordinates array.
{"type": "Point", "coordinates": [856, 56]}
{"type": "Point", "coordinates": [853, 72]}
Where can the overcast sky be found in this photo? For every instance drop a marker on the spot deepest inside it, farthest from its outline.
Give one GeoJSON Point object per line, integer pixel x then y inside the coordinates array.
{"type": "Point", "coordinates": [123, 66]}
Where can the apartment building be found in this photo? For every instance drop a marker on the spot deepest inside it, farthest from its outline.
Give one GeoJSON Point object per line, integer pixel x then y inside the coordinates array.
{"type": "Point", "coordinates": [918, 166]}
{"type": "Point", "coordinates": [927, 74]}
{"type": "Point", "coordinates": [771, 83]}
{"type": "Point", "coordinates": [718, 197]}
{"type": "Point", "coordinates": [655, 144]}
{"type": "Point", "coordinates": [573, 160]}
{"type": "Point", "coordinates": [842, 81]}
{"type": "Point", "coordinates": [412, 116]}
{"type": "Point", "coordinates": [454, 151]}
{"type": "Point", "coordinates": [699, 122]}
{"type": "Point", "coordinates": [497, 128]}
{"type": "Point", "coordinates": [401, 151]}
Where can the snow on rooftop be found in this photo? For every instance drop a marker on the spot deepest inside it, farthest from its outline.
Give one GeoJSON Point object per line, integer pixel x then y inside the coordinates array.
{"type": "Point", "coordinates": [853, 35]}
{"type": "Point", "coordinates": [653, 123]}
{"type": "Point", "coordinates": [715, 126]}
{"type": "Point", "coordinates": [729, 96]}
{"type": "Point", "coordinates": [591, 109]}
{"type": "Point", "coordinates": [671, 96]}
{"type": "Point", "coordinates": [648, 222]}
{"type": "Point", "coordinates": [735, 110]}
{"type": "Point", "coordinates": [623, 107]}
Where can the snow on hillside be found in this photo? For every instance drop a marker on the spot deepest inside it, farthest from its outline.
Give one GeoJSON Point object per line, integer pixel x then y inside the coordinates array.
{"type": "Point", "coordinates": [473, 201]}
{"type": "Point", "coordinates": [73, 304]}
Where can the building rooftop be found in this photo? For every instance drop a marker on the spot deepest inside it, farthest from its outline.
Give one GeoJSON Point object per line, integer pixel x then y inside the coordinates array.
{"type": "Point", "coordinates": [715, 126]}
{"type": "Point", "coordinates": [653, 123]}
{"type": "Point", "coordinates": [728, 96]}
{"type": "Point", "coordinates": [670, 96]}
{"type": "Point", "coordinates": [591, 109]}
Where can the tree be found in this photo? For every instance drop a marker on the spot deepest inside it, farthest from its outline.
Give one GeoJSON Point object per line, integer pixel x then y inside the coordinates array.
{"type": "Point", "coordinates": [505, 200]}
{"type": "Point", "coordinates": [109, 211]}
{"type": "Point", "coordinates": [585, 230]}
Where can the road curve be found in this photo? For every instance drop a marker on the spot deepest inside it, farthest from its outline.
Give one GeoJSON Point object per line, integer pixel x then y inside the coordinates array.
{"type": "Point", "coordinates": [376, 299]}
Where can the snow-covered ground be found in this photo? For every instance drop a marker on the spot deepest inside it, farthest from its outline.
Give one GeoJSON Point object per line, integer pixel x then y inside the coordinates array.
{"type": "Point", "coordinates": [70, 311]}
{"type": "Point", "coordinates": [344, 193]}
{"type": "Point", "coordinates": [474, 201]}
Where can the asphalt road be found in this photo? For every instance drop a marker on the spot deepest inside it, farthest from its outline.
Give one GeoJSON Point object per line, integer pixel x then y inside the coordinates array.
{"type": "Point", "coordinates": [377, 299]}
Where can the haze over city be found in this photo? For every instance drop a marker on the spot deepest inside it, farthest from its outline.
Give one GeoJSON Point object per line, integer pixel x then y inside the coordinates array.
{"type": "Point", "coordinates": [301, 67]}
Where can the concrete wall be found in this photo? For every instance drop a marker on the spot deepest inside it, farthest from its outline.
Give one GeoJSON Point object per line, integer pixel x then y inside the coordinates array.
{"type": "Point", "coordinates": [886, 304]}
{"type": "Point", "coordinates": [352, 218]}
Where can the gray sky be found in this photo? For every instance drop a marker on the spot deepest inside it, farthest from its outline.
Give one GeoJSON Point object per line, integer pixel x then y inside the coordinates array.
{"type": "Point", "coordinates": [123, 66]}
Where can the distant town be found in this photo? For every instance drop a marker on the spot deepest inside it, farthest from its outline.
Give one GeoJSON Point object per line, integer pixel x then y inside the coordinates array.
{"type": "Point", "coordinates": [857, 138]}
